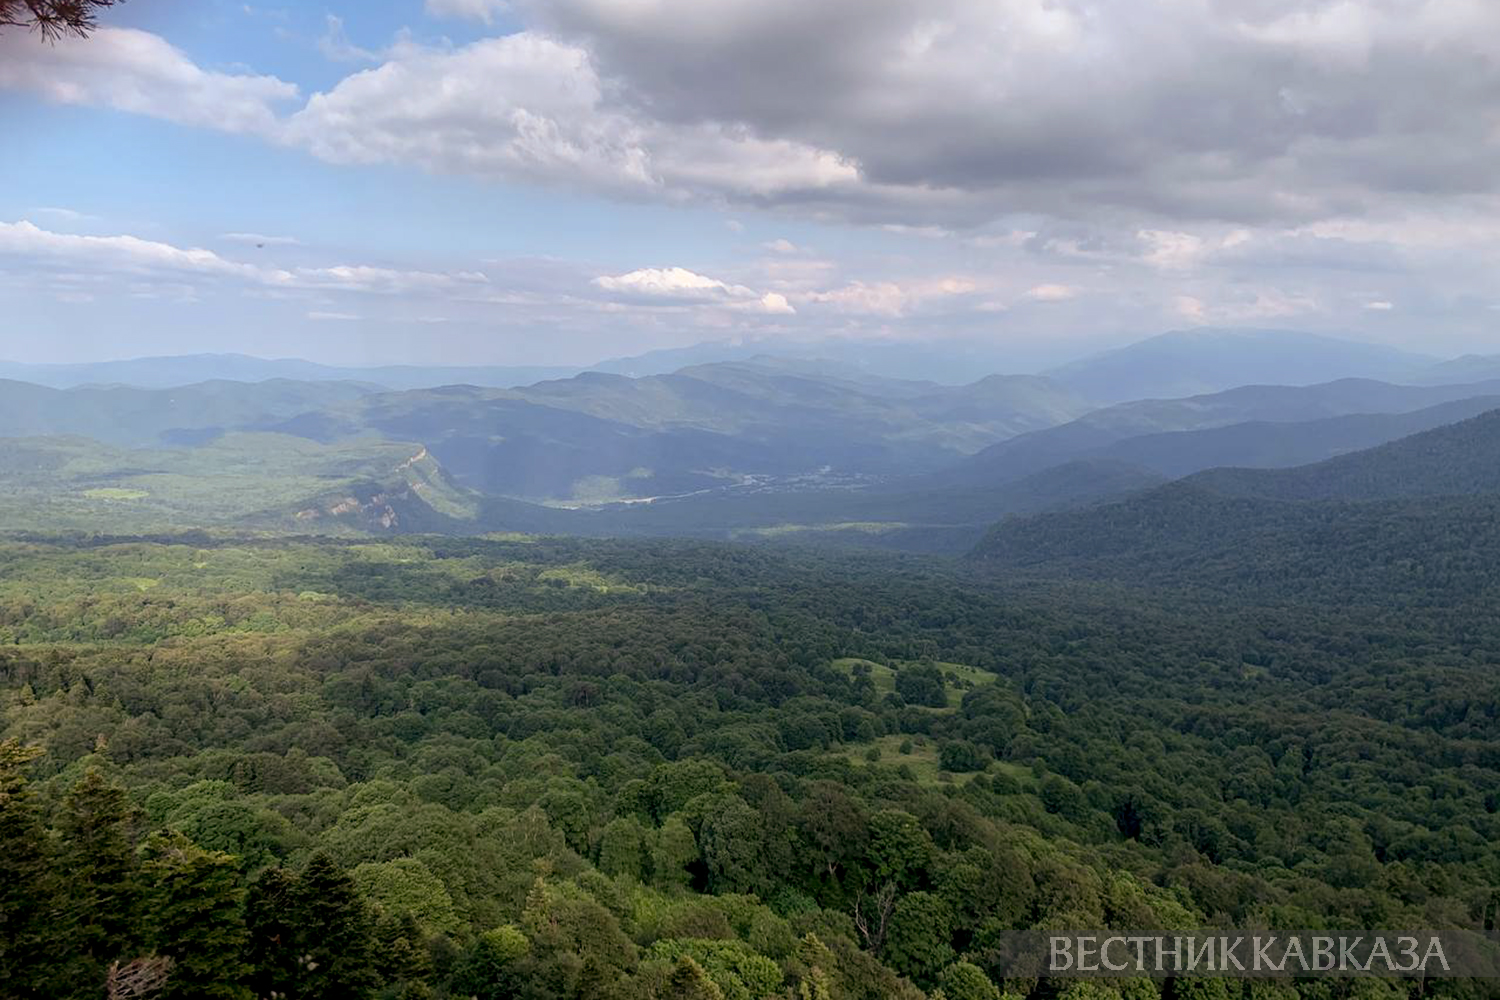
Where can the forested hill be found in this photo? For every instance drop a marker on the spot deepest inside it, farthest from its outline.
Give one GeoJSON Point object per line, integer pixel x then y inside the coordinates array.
{"type": "Point", "coordinates": [1106, 433]}
{"type": "Point", "coordinates": [1456, 459]}
{"type": "Point", "coordinates": [1415, 520]}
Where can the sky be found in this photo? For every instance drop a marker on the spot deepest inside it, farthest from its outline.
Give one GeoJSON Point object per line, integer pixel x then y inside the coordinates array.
{"type": "Point", "coordinates": [559, 181]}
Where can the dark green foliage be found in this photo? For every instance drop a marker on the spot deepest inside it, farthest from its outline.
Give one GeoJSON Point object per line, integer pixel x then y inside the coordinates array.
{"type": "Point", "coordinates": [555, 768]}
{"type": "Point", "coordinates": [195, 908]}
{"type": "Point", "coordinates": [921, 685]}
{"type": "Point", "coordinates": [961, 755]}
{"type": "Point", "coordinates": [311, 935]}
{"type": "Point", "coordinates": [100, 918]}
{"type": "Point", "coordinates": [29, 879]}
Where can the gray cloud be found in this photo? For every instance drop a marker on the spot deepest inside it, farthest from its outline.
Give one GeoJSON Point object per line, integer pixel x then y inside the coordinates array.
{"type": "Point", "coordinates": [961, 109]}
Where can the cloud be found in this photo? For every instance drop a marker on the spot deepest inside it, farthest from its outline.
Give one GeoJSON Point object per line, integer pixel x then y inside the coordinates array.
{"type": "Point", "coordinates": [1380, 305]}
{"type": "Point", "coordinates": [261, 239]}
{"type": "Point", "coordinates": [63, 214]}
{"type": "Point", "coordinates": [318, 314]}
{"type": "Point", "coordinates": [891, 298]}
{"type": "Point", "coordinates": [473, 10]}
{"type": "Point", "coordinates": [139, 72]}
{"type": "Point", "coordinates": [131, 255]}
{"type": "Point", "coordinates": [336, 46]}
{"type": "Point", "coordinates": [1052, 293]}
{"type": "Point", "coordinates": [679, 285]}
{"type": "Point", "coordinates": [670, 282]}
{"type": "Point", "coordinates": [780, 246]}
{"type": "Point", "coordinates": [934, 115]}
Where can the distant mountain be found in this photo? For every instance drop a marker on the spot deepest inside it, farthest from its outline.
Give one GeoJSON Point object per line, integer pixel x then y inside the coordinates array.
{"type": "Point", "coordinates": [1197, 362]}
{"type": "Point", "coordinates": [1459, 459]}
{"type": "Point", "coordinates": [166, 372]}
{"type": "Point", "coordinates": [1469, 368]}
{"type": "Point", "coordinates": [192, 414]}
{"type": "Point", "coordinates": [598, 437]}
{"type": "Point", "coordinates": [1414, 520]}
{"type": "Point", "coordinates": [1281, 435]}
{"type": "Point", "coordinates": [947, 362]}
{"type": "Point", "coordinates": [1264, 444]}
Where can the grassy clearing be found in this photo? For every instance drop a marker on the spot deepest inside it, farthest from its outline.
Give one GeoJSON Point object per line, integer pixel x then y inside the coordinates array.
{"type": "Point", "coordinates": [958, 679]}
{"type": "Point", "coordinates": [584, 576]}
{"type": "Point", "coordinates": [784, 530]}
{"type": "Point", "coordinates": [921, 759]}
{"type": "Point", "coordinates": [115, 493]}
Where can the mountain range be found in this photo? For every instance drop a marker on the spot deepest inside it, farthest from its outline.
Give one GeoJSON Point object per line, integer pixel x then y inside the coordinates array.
{"type": "Point", "coordinates": [1393, 523]}
{"type": "Point", "coordinates": [764, 448]}
{"type": "Point", "coordinates": [1180, 363]}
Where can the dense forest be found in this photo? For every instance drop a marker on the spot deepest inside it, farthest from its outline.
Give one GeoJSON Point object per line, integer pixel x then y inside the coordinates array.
{"type": "Point", "coordinates": [243, 767]}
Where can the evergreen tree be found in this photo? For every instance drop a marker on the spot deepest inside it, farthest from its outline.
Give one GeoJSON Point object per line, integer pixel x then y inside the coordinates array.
{"type": "Point", "coordinates": [101, 913]}
{"type": "Point", "coordinates": [197, 917]}
{"type": "Point", "coordinates": [311, 934]}
{"type": "Point", "coordinates": [337, 934]}
{"type": "Point", "coordinates": [689, 982]}
{"type": "Point", "coordinates": [271, 922]}
{"type": "Point", "coordinates": [27, 884]}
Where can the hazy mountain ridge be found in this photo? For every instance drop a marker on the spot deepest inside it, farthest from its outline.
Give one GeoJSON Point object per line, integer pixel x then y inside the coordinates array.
{"type": "Point", "coordinates": [178, 370]}
{"type": "Point", "coordinates": [131, 417]}
{"type": "Point", "coordinates": [1099, 433]}
{"type": "Point", "coordinates": [598, 436]}
{"type": "Point", "coordinates": [1207, 360]}
{"type": "Point", "coordinates": [1420, 512]}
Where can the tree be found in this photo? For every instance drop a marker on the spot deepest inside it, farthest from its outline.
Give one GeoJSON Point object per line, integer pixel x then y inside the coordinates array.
{"type": "Point", "coordinates": [922, 685]}
{"type": "Point", "coordinates": [732, 846]}
{"type": "Point", "coordinates": [100, 919]}
{"type": "Point", "coordinates": [195, 905]}
{"type": "Point", "coordinates": [966, 981]}
{"type": "Point", "coordinates": [406, 886]}
{"type": "Point", "coordinates": [689, 982]}
{"type": "Point", "coordinates": [27, 885]}
{"type": "Point", "coordinates": [339, 934]}
{"type": "Point", "coordinates": [960, 756]}
{"type": "Point", "coordinates": [672, 852]}
{"type": "Point", "coordinates": [488, 969]}
{"type": "Point", "coordinates": [918, 938]}
{"type": "Point", "coordinates": [53, 19]}
{"type": "Point", "coordinates": [622, 847]}
{"type": "Point", "coordinates": [899, 849]}
{"type": "Point", "coordinates": [311, 934]}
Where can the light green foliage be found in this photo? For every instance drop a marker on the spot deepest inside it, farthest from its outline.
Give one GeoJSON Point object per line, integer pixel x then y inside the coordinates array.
{"type": "Point", "coordinates": [966, 981]}
{"type": "Point", "coordinates": [405, 886]}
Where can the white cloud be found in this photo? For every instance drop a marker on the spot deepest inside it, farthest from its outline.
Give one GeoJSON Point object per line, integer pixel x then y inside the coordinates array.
{"type": "Point", "coordinates": [776, 304]}
{"type": "Point", "coordinates": [1190, 307]}
{"type": "Point", "coordinates": [679, 285]}
{"type": "Point", "coordinates": [1052, 293]}
{"type": "Point", "coordinates": [891, 298]}
{"type": "Point", "coordinates": [1380, 306]}
{"type": "Point", "coordinates": [670, 282]}
{"type": "Point", "coordinates": [780, 246]}
{"type": "Point", "coordinates": [129, 255]}
{"type": "Point", "coordinates": [473, 10]}
{"type": "Point", "coordinates": [139, 72]}
{"type": "Point", "coordinates": [64, 214]}
{"type": "Point", "coordinates": [318, 314]}
{"type": "Point", "coordinates": [27, 240]}
{"type": "Point", "coordinates": [336, 46]}
{"type": "Point", "coordinates": [261, 239]}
